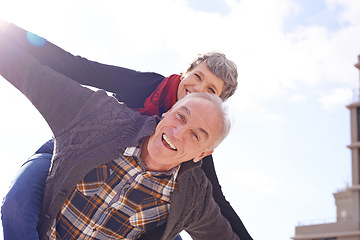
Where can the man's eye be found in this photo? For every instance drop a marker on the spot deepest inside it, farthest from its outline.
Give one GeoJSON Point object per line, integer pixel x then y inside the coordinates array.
{"type": "Point", "coordinates": [196, 136]}
{"type": "Point", "coordinates": [181, 117]}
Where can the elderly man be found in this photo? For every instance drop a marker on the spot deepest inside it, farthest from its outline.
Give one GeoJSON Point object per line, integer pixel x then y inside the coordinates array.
{"type": "Point", "coordinates": [115, 173]}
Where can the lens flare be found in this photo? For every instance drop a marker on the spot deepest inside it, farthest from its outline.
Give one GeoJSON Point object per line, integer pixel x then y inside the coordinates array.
{"type": "Point", "coordinates": [35, 39]}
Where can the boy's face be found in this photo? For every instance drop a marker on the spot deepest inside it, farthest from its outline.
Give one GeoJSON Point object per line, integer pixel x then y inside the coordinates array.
{"type": "Point", "coordinates": [200, 79]}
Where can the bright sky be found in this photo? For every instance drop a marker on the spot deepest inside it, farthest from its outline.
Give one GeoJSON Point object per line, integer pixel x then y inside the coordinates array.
{"type": "Point", "coordinates": [287, 151]}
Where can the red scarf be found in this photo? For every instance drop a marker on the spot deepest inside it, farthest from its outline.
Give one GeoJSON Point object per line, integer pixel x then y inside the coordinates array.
{"type": "Point", "coordinates": [163, 98]}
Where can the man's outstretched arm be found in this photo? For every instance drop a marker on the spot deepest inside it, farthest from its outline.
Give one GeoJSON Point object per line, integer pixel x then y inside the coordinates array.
{"type": "Point", "coordinates": [133, 87]}
{"type": "Point", "coordinates": [48, 90]}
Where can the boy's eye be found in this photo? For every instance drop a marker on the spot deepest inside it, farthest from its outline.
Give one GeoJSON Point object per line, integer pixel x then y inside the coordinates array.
{"type": "Point", "coordinates": [212, 90]}
{"type": "Point", "coordinates": [198, 76]}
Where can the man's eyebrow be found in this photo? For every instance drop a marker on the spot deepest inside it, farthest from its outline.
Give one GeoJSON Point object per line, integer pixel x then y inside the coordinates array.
{"type": "Point", "coordinates": [184, 108]}
{"type": "Point", "coordinates": [204, 132]}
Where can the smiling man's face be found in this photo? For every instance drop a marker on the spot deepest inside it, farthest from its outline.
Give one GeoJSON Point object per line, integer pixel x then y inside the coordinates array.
{"type": "Point", "coordinates": [187, 131]}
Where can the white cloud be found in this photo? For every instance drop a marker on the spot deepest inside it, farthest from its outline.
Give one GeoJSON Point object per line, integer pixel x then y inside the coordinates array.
{"type": "Point", "coordinates": [270, 61]}
{"type": "Point", "coordinates": [265, 115]}
{"type": "Point", "coordinates": [298, 98]}
{"type": "Point", "coordinates": [350, 11]}
{"type": "Point", "coordinates": [338, 97]}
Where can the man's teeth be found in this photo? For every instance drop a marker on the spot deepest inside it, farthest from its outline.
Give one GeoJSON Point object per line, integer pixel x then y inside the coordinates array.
{"type": "Point", "coordinates": [169, 142]}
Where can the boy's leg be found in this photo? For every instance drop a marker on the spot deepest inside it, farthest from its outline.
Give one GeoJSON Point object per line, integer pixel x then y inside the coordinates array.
{"type": "Point", "coordinates": [21, 206]}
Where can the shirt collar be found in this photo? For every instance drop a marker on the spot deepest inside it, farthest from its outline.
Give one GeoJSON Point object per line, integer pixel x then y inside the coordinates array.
{"type": "Point", "coordinates": [135, 153]}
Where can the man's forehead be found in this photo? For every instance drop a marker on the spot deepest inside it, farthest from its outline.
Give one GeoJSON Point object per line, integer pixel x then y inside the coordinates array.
{"type": "Point", "coordinates": [189, 110]}
{"type": "Point", "coordinates": [193, 102]}
{"type": "Point", "coordinates": [190, 106]}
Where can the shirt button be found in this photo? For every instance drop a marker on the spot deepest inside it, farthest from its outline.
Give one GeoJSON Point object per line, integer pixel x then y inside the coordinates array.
{"type": "Point", "coordinates": [47, 216]}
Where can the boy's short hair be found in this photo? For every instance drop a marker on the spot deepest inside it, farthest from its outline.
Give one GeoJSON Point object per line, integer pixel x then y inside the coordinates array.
{"type": "Point", "coordinates": [222, 67]}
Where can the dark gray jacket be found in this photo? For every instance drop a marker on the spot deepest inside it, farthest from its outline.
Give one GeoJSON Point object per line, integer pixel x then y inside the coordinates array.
{"type": "Point", "coordinates": [90, 129]}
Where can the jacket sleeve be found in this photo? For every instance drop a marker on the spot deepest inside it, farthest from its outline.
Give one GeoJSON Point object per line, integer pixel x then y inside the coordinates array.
{"type": "Point", "coordinates": [131, 87]}
{"type": "Point", "coordinates": [226, 209]}
{"type": "Point", "coordinates": [48, 90]}
{"type": "Point", "coordinates": [209, 222]}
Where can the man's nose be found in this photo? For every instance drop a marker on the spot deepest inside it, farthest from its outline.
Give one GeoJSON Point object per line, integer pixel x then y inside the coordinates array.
{"type": "Point", "coordinates": [179, 132]}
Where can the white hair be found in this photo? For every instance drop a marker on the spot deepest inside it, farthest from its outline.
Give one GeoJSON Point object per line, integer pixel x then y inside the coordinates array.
{"type": "Point", "coordinates": [221, 110]}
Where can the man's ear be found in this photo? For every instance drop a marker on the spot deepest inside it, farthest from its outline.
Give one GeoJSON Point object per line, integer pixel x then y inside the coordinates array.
{"type": "Point", "coordinates": [202, 155]}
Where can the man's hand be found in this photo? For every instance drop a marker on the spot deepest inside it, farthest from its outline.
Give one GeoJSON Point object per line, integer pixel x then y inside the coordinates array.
{"type": "Point", "coordinates": [3, 25]}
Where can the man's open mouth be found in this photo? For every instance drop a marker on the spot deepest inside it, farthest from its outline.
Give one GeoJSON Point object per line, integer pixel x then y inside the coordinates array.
{"type": "Point", "coordinates": [168, 143]}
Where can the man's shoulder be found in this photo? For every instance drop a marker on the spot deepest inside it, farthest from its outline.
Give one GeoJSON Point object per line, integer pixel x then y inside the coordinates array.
{"type": "Point", "coordinates": [194, 178]}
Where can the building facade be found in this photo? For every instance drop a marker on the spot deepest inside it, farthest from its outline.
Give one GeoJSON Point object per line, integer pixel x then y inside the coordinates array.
{"type": "Point", "coordinates": [347, 225]}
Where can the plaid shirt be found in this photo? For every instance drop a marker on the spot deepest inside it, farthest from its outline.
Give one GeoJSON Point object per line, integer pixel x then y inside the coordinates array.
{"type": "Point", "coordinates": [118, 200]}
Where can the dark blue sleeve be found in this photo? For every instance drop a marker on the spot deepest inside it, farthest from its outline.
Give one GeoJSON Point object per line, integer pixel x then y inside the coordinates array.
{"type": "Point", "coordinates": [131, 87]}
